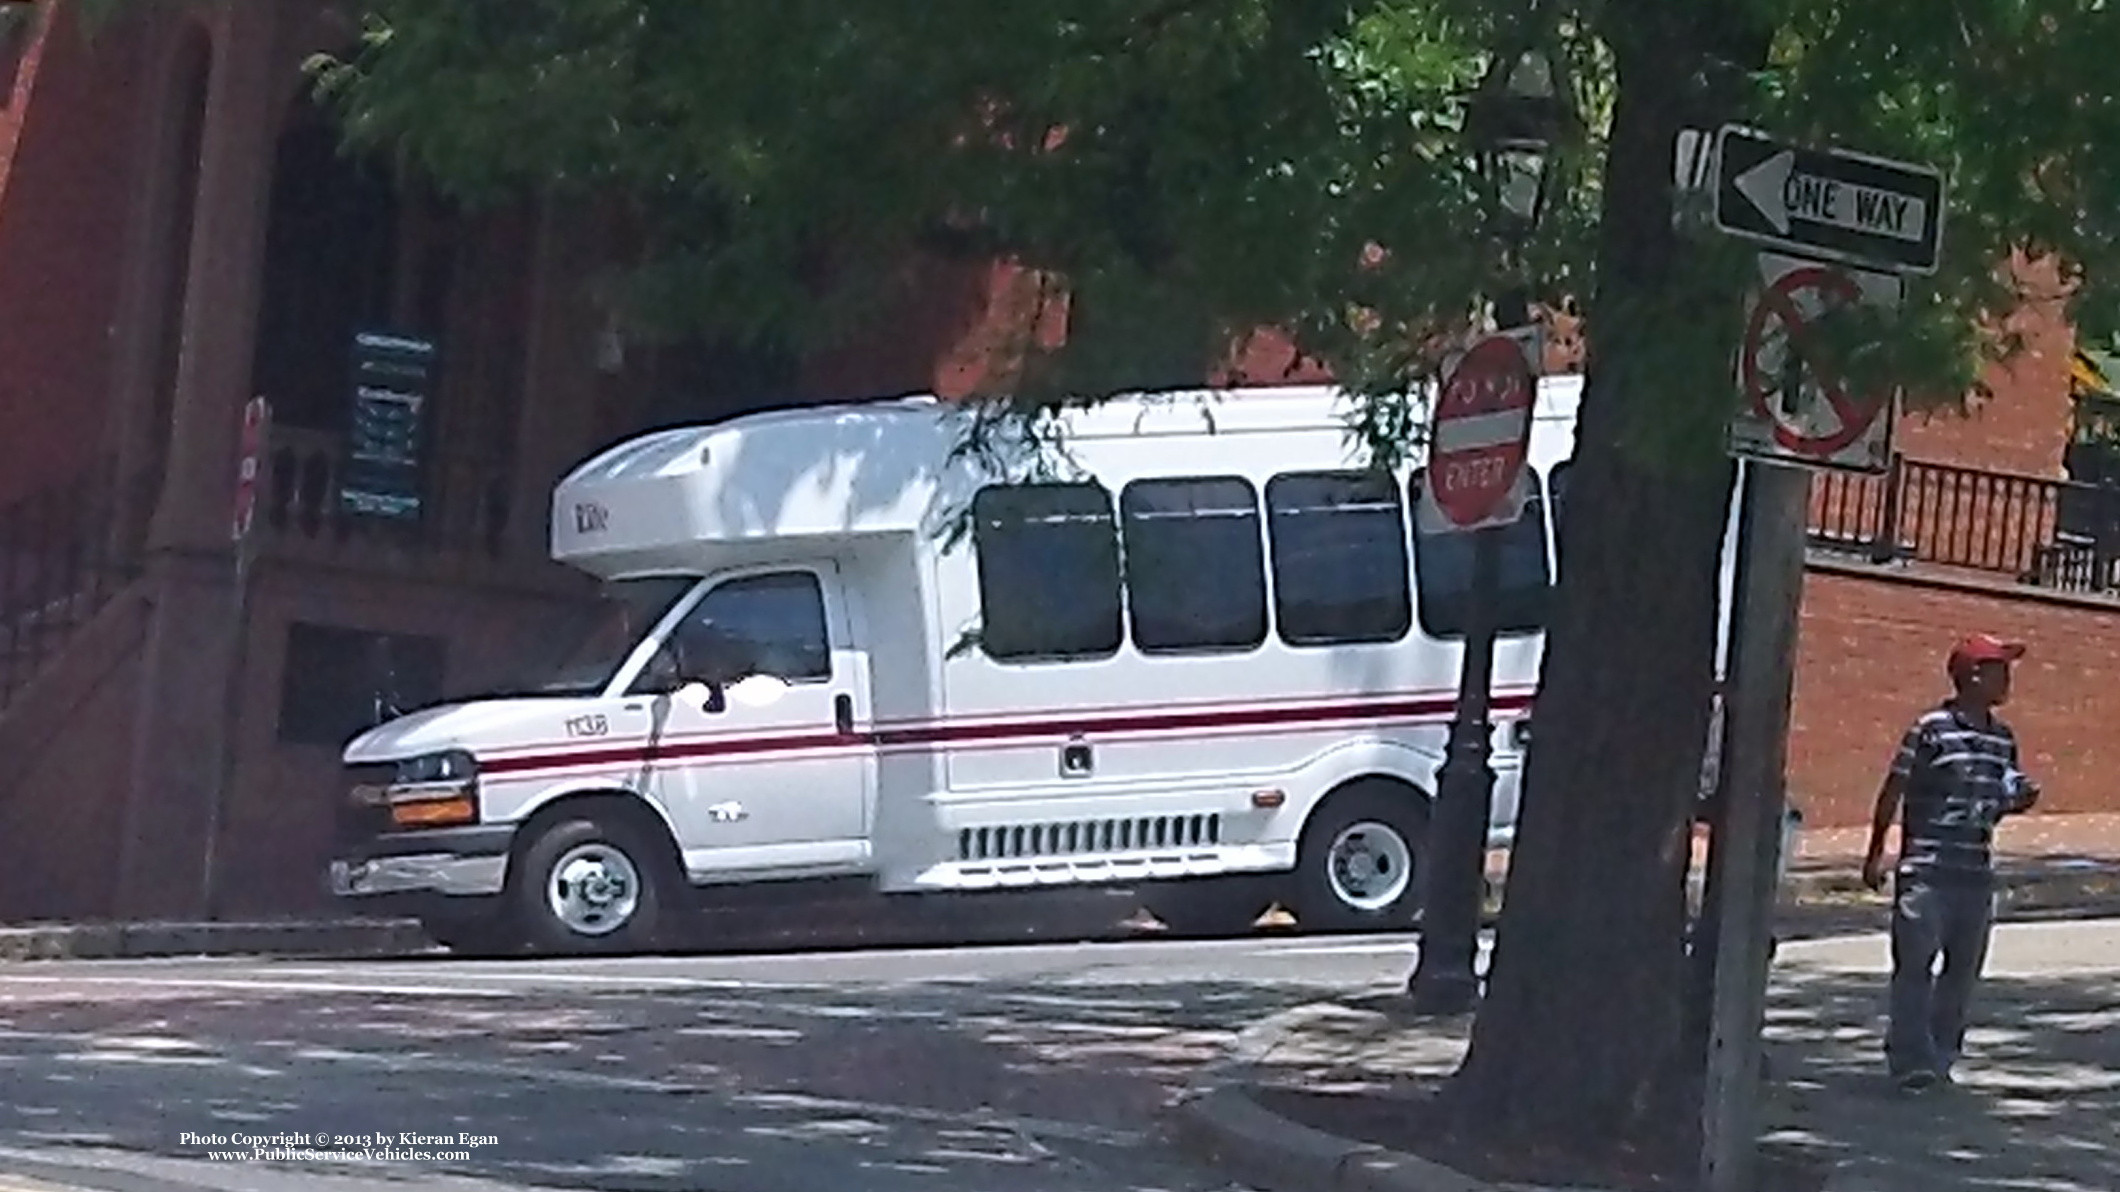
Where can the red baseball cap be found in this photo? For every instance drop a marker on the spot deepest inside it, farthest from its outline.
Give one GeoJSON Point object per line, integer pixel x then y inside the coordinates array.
{"type": "Point", "coordinates": [1979, 648]}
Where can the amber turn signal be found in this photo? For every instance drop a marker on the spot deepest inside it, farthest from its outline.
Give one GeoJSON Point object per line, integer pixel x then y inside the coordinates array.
{"type": "Point", "coordinates": [428, 813]}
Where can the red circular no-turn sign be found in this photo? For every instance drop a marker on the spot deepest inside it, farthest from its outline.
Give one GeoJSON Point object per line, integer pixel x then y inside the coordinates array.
{"type": "Point", "coordinates": [1482, 431]}
{"type": "Point", "coordinates": [1812, 413]}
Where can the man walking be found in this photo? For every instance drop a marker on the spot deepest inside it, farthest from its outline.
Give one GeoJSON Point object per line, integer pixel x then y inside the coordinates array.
{"type": "Point", "coordinates": [1956, 775]}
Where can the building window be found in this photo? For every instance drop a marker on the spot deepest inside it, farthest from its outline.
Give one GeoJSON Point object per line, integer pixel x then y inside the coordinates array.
{"type": "Point", "coordinates": [1048, 559]}
{"type": "Point", "coordinates": [772, 625]}
{"type": "Point", "coordinates": [1523, 576]}
{"type": "Point", "coordinates": [1340, 571]}
{"type": "Point", "coordinates": [338, 683]}
{"type": "Point", "coordinates": [1195, 565]}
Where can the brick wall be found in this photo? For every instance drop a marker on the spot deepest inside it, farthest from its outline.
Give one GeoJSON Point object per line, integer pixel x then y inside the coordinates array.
{"type": "Point", "coordinates": [2024, 426]}
{"type": "Point", "coordinates": [1870, 658]}
{"type": "Point", "coordinates": [63, 200]}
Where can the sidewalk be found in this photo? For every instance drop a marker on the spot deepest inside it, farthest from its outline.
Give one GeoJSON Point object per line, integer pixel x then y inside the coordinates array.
{"type": "Point", "coordinates": [288, 937]}
{"type": "Point", "coordinates": [2047, 864]}
{"type": "Point", "coordinates": [2035, 1105]}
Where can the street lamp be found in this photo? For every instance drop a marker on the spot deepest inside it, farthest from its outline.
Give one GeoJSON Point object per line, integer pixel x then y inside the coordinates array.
{"type": "Point", "coordinates": [1516, 120]}
{"type": "Point", "coordinates": [1513, 124]}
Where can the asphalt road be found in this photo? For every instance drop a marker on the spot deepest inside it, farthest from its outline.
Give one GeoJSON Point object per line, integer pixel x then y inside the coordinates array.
{"type": "Point", "coordinates": [1025, 1069]}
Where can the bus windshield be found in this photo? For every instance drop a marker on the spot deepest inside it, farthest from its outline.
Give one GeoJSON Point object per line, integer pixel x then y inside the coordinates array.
{"type": "Point", "coordinates": [607, 633]}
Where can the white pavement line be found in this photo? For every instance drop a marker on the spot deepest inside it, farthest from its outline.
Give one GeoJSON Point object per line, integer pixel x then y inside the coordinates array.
{"type": "Point", "coordinates": [563, 977]}
{"type": "Point", "coordinates": [1407, 949]}
{"type": "Point", "coordinates": [988, 1118]}
{"type": "Point", "coordinates": [271, 986]}
{"type": "Point", "coordinates": [590, 1080]}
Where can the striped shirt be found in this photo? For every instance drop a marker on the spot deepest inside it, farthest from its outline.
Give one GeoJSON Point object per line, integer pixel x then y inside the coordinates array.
{"type": "Point", "coordinates": [1958, 773]}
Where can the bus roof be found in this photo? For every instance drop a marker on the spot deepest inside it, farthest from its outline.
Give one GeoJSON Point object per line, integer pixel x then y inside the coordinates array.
{"type": "Point", "coordinates": [653, 502]}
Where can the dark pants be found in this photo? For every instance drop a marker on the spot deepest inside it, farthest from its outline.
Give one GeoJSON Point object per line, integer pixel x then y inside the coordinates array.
{"type": "Point", "coordinates": [1928, 1007]}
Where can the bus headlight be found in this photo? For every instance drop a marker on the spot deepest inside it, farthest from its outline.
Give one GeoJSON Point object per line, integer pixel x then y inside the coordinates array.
{"type": "Point", "coordinates": [454, 765]}
{"type": "Point", "coordinates": [435, 790]}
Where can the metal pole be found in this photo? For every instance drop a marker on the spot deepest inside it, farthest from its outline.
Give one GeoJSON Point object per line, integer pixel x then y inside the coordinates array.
{"type": "Point", "coordinates": [1444, 979]}
{"type": "Point", "coordinates": [228, 739]}
{"type": "Point", "coordinates": [1770, 576]}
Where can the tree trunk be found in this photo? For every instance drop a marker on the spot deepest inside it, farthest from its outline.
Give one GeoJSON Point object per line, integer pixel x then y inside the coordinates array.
{"type": "Point", "coordinates": [1579, 1046]}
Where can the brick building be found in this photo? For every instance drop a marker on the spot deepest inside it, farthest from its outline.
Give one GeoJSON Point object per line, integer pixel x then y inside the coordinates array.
{"type": "Point", "coordinates": [178, 234]}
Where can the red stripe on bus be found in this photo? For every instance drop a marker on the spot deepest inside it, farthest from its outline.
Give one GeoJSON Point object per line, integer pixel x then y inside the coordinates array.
{"type": "Point", "coordinates": [943, 734]}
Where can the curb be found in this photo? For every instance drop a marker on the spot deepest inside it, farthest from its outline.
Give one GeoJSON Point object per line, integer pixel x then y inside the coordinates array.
{"type": "Point", "coordinates": [366, 938]}
{"type": "Point", "coordinates": [2042, 888]}
{"type": "Point", "coordinates": [1228, 1128]}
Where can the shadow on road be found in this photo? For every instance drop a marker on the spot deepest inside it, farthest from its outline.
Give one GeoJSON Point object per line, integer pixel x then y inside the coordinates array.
{"type": "Point", "coordinates": [918, 1085]}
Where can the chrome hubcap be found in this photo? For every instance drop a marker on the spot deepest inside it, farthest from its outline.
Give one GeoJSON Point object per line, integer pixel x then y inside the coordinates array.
{"type": "Point", "coordinates": [594, 889]}
{"type": "Point", "coordinates": [1370, 865]}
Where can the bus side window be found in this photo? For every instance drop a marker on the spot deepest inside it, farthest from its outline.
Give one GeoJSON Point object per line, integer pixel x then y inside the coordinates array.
{"type": "Point", "coordinates": [1195, 565]}
{"type": "Point", "coordinates": [1443, 571]}
{"type": "Point", "coordinates": [1048, 563]}
{"type": "Point", "coordinates": [1340, 571]}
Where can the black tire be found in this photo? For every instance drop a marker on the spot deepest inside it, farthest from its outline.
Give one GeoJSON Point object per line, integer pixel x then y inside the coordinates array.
{"type": "Point", "coordinates": [1389, 809]}
{"type": "Point", "coordinates": [1208, 908]}
{"type": "Point", "coordinates": [588, 846]}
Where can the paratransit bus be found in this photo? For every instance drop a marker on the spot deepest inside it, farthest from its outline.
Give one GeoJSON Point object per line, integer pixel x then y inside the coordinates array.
{"type": "Point", "coordinates": [1173, 643]}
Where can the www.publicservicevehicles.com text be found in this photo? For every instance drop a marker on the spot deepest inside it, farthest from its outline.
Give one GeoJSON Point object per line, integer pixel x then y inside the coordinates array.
{"type": "Point", "coordinates": [396, 1147]}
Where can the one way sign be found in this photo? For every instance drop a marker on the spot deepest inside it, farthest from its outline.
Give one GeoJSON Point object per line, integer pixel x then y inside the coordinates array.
{"type": "Point", "coordinates": [1846, 206]}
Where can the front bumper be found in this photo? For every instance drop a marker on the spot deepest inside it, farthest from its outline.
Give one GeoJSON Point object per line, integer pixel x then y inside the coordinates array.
{"type": "Point", "coordinates": [465, 862]}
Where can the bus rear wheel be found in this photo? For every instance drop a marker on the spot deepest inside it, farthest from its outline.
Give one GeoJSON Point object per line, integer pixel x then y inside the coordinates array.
{"type": "Point", "coordinates": [1358, 864]}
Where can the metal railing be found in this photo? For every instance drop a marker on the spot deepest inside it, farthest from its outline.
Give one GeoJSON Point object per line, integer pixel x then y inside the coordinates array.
{"type": "Point", "coordinates": [2051, 533]}
{"type": "Point", "coordinates": [64, 553]}
{"type": "Point", "coordinates": [464, 500]}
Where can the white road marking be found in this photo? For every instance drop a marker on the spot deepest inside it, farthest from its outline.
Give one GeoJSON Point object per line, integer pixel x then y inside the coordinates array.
{"type": "Point", "coordinates": [551, 977]}
{"type": "Point", "coordinates": [1407, 949]}
{"type": "Point", "coordinates": [267, 986]}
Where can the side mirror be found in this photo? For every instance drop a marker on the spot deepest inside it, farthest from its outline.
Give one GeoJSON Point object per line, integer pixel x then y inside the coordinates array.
{"type": "Point", "coordinates": [706, 698]}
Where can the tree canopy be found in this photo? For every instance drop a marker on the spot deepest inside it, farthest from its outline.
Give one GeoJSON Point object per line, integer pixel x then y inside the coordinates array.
{"type": "Point", "coordinates": [1196, 170]}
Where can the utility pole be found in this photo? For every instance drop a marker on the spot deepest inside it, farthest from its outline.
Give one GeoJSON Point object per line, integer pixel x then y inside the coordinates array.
{"type": "Point", "coordinates": [1445, 980]}
{"type": "Point", "coordinates": [1518, 118]}
{"type": "Point", "coordinates": [257, 424]}
{"type": "Point", "coordinates": [1770, 582]}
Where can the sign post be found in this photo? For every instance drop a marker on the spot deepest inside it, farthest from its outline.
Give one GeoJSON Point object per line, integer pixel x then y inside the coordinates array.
{"type": "Point", "coordinates": [1841, 229]}
{"type": "Point", "coordinates": [256, 430]}
{"type": "Point", "coordinates": [1476, 484]}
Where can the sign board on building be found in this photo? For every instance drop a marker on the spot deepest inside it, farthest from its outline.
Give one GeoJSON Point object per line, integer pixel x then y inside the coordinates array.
{"type": "Point", "coordinates": [393, 378]}
{"type": "Point", "coordinates": [257, 417]}
{"type": "Point", "coordinates": [1792, 409]}
{"type": "Point", "coordinates": [1844, 206]}
{"type": "Point", "coordinates": [1480, 436]}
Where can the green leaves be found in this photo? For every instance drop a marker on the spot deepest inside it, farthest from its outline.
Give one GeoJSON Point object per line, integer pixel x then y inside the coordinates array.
{"type": "Point", "coordinates": [1194, 170]}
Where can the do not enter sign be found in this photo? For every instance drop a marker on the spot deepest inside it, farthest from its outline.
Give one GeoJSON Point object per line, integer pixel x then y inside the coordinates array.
{"type": "Point", "coordinates": [1481, 435]}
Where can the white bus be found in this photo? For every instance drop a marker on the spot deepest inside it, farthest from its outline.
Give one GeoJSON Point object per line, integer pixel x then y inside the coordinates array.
{"type": "Point", "coordinates": [1188, 656]}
